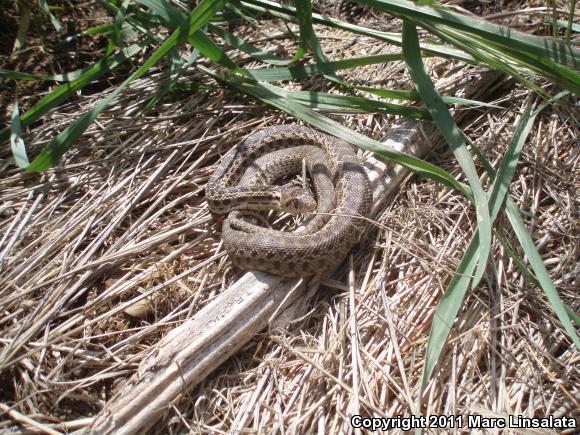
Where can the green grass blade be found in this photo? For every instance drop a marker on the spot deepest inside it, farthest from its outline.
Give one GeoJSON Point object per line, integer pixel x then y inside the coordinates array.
{"type": "Point", "coordinates": [455, 293]}
{"type": "Point", "coordinates": [319, 54]}
{"type": "Point", "coordinates": [540, 270]}
{"type": "Point", "coordinates": [414, 96]}
{"type": "Point", "coordinates": [512, 62]}
{"type": "Point", "coordinates": [16, 75]}
{"type": "Point", "coordinates": [55, 23]}
{"type": "Point", "coordinates": [530, 276]}
{"type": "Point", "coordinates": [139, 22]}
{"type": "Point", "coordinates": [319, 101]}
{"type": "Point", "coordinates": [304, 17]}
{"type": "Point", "coordinates": [57, 147]}
{"type": "Point", "coordinates": [63, 92]}
{"type": "Point", "coordinates": [452, 135]}
{"type": "Point", "coordinates": [212, 51]}
{"type": "Point", "coordinates": [173, 82]}
{"type": "Point", "coordinates": [489, 55]}
{"type": "Point", "coordinates": [68, 76]}
{"type": "Point", "coordinates": [288, 13]}
{"type": "Point", "coordinates": [16, 141]}
{"type": "Point", "coordinates": [298, 72]}
{"type": "Point", "coordinates": [246, 47]}
{"type": "Point", "coordinates": [308, 37]}
{"type": "Point", "coordinates": [447, 311]}
{"type": "Point", "coordinates": [396, 94]}
{"type": "Point", "coordinates": [305, 71]}
{"type": "Point", "coordinates": [116, 34]}
{"type": "Point", "coordinates": [546, 48]}
{"type": "Point", "coordinates": [534, 258]}
{"type": "Point", "coordinates": [91, 31]}
{"type": "Point", "coordinates": [23, 26]}
{"type": "Point", "coordinates": [236, 8]}
{"type": "Point", "coordinates": [337, 103]}
{"type": "Point", "coordinates": [571, 25]}
{"type": "Point", "coordinates": [171, 17]}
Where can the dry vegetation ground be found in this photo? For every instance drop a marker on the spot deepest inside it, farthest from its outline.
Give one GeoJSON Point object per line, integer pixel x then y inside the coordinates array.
{"type": "Point", "coordinates": [124, 214]}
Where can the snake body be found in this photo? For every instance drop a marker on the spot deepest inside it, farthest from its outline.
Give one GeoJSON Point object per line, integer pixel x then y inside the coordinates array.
{"type": "Point", "coordinates": [327, 237]}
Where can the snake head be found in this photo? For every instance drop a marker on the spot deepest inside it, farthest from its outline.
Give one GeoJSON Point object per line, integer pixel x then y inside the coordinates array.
{"type": "Point", "coordinates": [297, 200]}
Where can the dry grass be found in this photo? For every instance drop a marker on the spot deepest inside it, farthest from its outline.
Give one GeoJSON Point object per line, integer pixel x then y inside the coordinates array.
{"type": "Point", "coordinates": [124, 220]}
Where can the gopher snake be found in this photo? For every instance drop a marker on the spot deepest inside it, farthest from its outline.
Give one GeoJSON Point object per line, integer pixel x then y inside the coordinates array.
{"type": "Point", "coordinates": [327, 237]}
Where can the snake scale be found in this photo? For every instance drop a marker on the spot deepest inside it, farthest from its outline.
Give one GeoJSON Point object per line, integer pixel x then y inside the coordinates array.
{"type": "Point", "coordinates": [343, 198]}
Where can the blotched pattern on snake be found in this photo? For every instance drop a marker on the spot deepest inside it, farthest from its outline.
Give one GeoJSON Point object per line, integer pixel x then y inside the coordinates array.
{"type": "Point", "coordinates": [343, 200]}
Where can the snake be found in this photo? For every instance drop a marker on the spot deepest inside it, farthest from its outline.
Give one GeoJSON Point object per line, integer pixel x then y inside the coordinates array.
{"type": "Point", "coordinates": [244, 183]}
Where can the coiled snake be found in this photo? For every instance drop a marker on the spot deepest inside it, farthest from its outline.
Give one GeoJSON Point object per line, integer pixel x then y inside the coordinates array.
{"type": "Point", "coordinates": [343, 197]}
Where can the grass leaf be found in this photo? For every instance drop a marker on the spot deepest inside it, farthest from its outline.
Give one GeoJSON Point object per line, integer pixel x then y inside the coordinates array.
{"type": "Point", "coordinates": [63, 92]}
{"type": "Point", "coordinates": [540, 270]}
{"type": "Point", "coordinates": [55, 23]}
{"type": "Point", "coordinates": [57, 147]}
{"type": "Point", "coordinates": [337, 103]}
{"type": "Point", "coordinates": [304, 17]}
{"type": "Point", "coordinates": [543, 47]}
{"type": "Point", "coordinates": [171, 17]}
{"type": "Point", "coordinates": [288, 13]}
{"type": "Point", "coordinates": [297, 72]}
{"type": "Point", "coordinates": [116, 34]}
{"type": "Point", "coordinates": [95, 30]}
{"type": "Point", "coordinates": [452, 135]}
{"type": "Point", "coordinates": [456, 290]}
{"type": "Point", "coordinates": [246, 47]}
{"type": "Point", "coordinates": [516, 63]}
{"type": "Point", "coordinates": [16, 141]}
{"type": "Point", "coordinates": [167, 88]}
